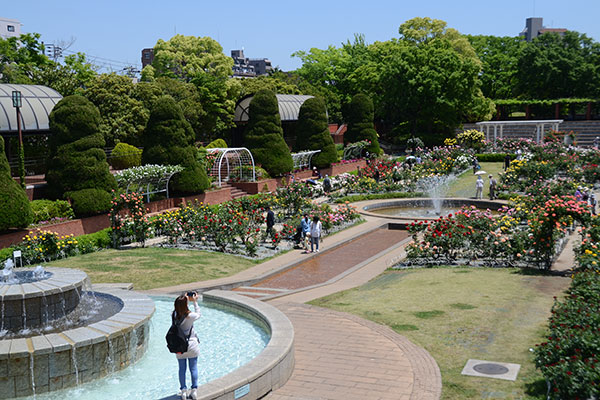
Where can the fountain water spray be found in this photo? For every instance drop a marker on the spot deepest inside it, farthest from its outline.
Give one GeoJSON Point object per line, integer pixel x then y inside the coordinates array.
{"type": "Point", "coordinates": [436, 187]}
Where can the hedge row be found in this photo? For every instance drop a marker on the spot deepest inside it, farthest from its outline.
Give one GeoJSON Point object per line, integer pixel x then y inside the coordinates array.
{"type": "Point", "coordinates": [378, 196]}
{"type": "Point", "coordinates": [493, 157]}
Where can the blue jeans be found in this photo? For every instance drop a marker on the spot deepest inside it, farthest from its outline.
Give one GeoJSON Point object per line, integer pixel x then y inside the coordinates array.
{"type": "Point", "coordinates": [193, 362]}
{"type": "Point", "coordinates": [314, 241]}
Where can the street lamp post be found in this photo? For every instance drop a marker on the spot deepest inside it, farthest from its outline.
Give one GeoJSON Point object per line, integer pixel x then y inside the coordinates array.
{"type": "Point", "coordinates": [17, 103]}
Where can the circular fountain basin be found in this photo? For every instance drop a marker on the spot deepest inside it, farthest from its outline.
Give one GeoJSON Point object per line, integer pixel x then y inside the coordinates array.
{"type": "Point", "coordinates": [247, 347]}
{"type": "Point", "coordinates": [33, 303]}
{"type": "Point", "coordinates": [423, 208]}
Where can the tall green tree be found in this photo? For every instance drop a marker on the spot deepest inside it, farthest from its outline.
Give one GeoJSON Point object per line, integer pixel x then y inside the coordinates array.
{"type": "Point", "coordinates": [20, 57]}
{"type": "Point", "coordinates": [554, 66]}
{"type": "Point", "coordinates": [77, 167]}
{"type": "Point", "coordinates": [360, 123]}
{"type": "Point", "coordinates": [16, 210]}
{"type": "Point", "coordinates": [169, 140]}
{"type": "Point", "coordinates": [123, 117]}
{"type": "Point", "coordinates": [200, 60]}
{"type": "Point", "coordinates": [312, 132]}
{"type": "Point", "coordinates": [264, 135]}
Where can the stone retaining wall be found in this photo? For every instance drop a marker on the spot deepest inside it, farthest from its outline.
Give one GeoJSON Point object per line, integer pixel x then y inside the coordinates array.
{"type": "Point", "coordinates": [72, 357]}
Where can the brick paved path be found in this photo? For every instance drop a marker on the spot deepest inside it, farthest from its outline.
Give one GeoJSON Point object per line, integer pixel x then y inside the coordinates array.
{"type": "Point", "coordinates": [341, 356]}
{"type": "Point", "coordinates": [331, 263]}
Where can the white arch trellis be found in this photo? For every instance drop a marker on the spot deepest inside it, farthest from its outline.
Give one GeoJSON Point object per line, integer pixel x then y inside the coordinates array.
{"type": "Point", "coordinates": [354, 150]}
{"type": "Point", "coordinates": [302, 159]}
{"type": "Point", "coordinates": [234, 162]}
{"type": "Point", "coordinates": [149, 182]}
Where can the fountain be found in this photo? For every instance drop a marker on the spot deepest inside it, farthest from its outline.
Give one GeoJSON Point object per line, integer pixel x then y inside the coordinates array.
{"type": "Point", "coordinates": [56, 333]}
{"type": "Point", "coordinates": [59, 339]}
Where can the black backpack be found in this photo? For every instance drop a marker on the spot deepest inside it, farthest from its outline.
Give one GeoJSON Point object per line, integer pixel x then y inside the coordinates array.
{"type": "Point", "coordinates": [177, 340]}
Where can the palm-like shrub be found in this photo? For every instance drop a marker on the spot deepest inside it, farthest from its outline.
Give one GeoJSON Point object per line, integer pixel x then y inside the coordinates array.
{"type": "Point", "coordinates": [15, 211]}
{"type": "Point", "coordinates": [169, 140]}
{"type": "Point", "coordinates": [77, 160]}
{"type": "Point", "coordinates": [312, 133]}
{"type": "Point", "coordinates": [264, 135]}
{"type": "Point", "coordinates": [360, 123]}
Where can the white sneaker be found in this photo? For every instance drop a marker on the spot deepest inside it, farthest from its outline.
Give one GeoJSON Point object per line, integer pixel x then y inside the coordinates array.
{"type": "Point", "coordinates": [183, 394]}
{"type": "Point", "coordinates": [193, 394]}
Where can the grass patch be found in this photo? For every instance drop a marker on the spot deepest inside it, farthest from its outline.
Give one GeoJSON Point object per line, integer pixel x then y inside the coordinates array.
{"type": "Point", "coordinates": [153, 267]}
{"type": "Point", "coordinates": [464, 185]}
{"type": "Point", "coordinates": [462, 306]}
{"type": "Point", "coordinates": [506, 315]}
{"type": "Point", "coordinates": [428, 314]}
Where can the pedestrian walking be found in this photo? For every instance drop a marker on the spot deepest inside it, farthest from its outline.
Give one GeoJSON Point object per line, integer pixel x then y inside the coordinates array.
{"type": "Point", "coordinates": [493, 184]}
{"type": "Point", "coordinates": [327, 184]}
{"type": "Point", "coordinates": [506, 161]}
{"type": "Point", "coordinates": [479, 187]}
{"type": "Point", "coordinates": [315, 234]}
{"type": "Point", "coordinates": [593, 203]}
{"type": "Point", "coordinates": [305, 225]}
{"type": "Point", "coordinates": [270, 221]}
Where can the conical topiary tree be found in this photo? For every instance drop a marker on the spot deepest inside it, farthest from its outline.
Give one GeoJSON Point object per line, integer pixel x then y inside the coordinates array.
{"type": "Point", "coordinates": [264, 135]}
{"type": "Point", "coordinates": [312, 133]}
{"type": "Point", "coordinates": [360, 123]}
{"type": "Point", "coordinates": [169, 140]}
{"type": "Point", "coordinates": [15, 210]}
{"type": "Point", "coordinates": [77, 167]}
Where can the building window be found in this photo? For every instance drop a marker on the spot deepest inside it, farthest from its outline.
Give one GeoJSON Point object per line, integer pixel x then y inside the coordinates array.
{"type": "Point", "coordinates": [11, 28]}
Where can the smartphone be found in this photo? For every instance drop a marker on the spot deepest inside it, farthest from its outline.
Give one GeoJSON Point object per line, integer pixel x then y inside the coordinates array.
{"type": "Point", "coordinates": [191, 294]}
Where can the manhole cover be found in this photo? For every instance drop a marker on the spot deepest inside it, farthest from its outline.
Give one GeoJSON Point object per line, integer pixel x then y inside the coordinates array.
{"type": "Point", "coordinates": [490, 369]}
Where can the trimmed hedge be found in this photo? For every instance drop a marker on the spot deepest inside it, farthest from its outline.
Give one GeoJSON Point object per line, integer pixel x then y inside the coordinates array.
{"type": "Point", "coordinates": [125, 156]}
{"type": "Point", "coordinates": [94, 241]}
{"type": "Point", "coordinates": [169, 140]}
{"type": "Point", "coordinates": [264, 135]}
{"type": "Point", "coordinates": [15, 210]}
{"type": "Point", "coordinates": [87, 202]}
{"type": "Point", "coordinates": [360, 123]}
{"type": "Point", "coordinates": [378, 196]}
{"type": "Point", "coordinates": [77, 160]}
{"type": "Point", "coordinates": [217, 144]}
{"type": "Point", "coordinates": [312, 133]}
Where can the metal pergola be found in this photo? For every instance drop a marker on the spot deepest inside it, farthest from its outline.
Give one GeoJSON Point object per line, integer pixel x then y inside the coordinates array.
{"type": "Point", "coordinates": [353, 151]}
{"type": "Point", "coordinates": [236, 162]}
{"type": "Point", "coordinates": [302, 159]}
{"type": "Point", "coordinates": [146, 183]}
{"type": "Point", "coordinates": [497, 133]}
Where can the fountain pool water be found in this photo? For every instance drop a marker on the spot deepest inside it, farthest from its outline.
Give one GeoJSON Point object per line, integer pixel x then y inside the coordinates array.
{"type": "Point", "coordinates": [227, 342]}
{"type": "Point", "coordinates": [425, 209]}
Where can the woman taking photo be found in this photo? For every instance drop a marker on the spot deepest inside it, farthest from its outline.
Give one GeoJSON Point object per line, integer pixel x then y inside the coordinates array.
{"type": "Point", "coordinates": [190, 357]}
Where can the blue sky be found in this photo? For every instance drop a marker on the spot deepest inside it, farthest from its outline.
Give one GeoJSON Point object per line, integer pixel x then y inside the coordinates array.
{"type": "Point", "coordinates": [118, 30]}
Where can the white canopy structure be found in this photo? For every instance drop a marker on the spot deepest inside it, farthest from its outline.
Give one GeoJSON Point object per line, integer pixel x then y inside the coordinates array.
{"type": "Point", "coordinates": [497, 133]}
{"type": "Point", "coordinates": [302, 159]}
{"type": "Point", "coordinates": [235, 162]}
{"type": "Point", "coordinates": [37, 103]}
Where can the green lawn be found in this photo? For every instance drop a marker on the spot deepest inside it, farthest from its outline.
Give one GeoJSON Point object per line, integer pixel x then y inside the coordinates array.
{"type": "Point", "coordinates": [458, 314]}
{"type": "Point", "coordinates": [153, 267]}
{"type": "Point", "coordinates": [464, 185]}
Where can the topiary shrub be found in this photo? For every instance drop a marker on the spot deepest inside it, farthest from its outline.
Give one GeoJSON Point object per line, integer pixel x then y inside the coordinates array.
{"type": "Point", "coordinates": [88, 202]}
{"type": "Point", "coordinates": [169, 140]}
{"type": "Point", "coordinates": [264, 135]}
{"type": "Point", "coordinates": [15, 210]}
{"type": "Point", "coordinates": [360, 123]}
{"type": "Point", "coordinates": [125, 156]}
{"type": "Point", "coordinates": [46, 210]}
{"type": "Point", "coordinates": [77, 160]}
{"type": "Point", "coordinates": [217, 144]}
{"type": "Point", "coordinates": [312, 133]}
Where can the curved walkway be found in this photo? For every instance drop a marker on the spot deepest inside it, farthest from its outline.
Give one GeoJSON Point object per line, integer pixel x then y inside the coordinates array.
{"type": "Point", "coordinates": [341, 356]}
{"type": "Point", "coordinates": [338, 355]}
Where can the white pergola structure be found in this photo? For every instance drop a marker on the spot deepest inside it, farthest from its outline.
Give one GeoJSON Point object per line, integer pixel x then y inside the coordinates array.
{"type": "Point", "coordinates": [232, 161]}
{"type": "Point", "coordinates": [147, 185]}
{"type": "Point", "coordinates": [302, 159]}
{"type": "Point", "coordinates": [540, 125]}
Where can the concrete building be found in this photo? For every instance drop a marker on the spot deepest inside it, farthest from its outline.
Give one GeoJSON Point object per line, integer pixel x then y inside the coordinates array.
{"type": "Point", "coordinates": [9, 28]}
{"type": "Point", "coordinates": [147, 56]}
{"type": "Point", "coordinates": [534, 27]}
{"type": "Point", "coordinates": [249, 67]}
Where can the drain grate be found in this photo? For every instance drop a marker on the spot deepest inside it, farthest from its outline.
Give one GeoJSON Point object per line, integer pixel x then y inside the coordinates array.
{"type": "Point", "coordinates": [490, 369]}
